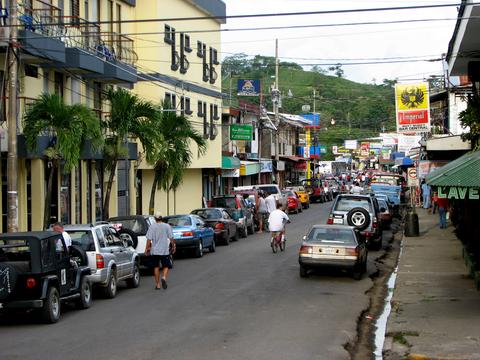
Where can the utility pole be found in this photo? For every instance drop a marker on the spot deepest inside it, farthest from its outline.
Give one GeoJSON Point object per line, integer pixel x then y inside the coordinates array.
{"type": "Point", "coordinates": [12, 159]}
{"type": "Point", "coordinates": [315, 139]}
{"type": "Point", "coordinates": [276, 104]}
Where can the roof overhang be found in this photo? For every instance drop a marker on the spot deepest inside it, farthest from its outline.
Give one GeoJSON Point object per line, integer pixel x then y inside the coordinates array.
{"type": "Point", "coordinates": [448, 143]}
{"type": "Point", "coordinates": [212, 8]}
{"type": "Point", "coordinates": [465, 44]}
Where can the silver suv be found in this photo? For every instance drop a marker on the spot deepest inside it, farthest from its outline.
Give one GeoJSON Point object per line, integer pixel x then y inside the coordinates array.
{"type": "Point", "coordinates": [360, 211]}
{"type": "Point", "coordinates": [110, 257]}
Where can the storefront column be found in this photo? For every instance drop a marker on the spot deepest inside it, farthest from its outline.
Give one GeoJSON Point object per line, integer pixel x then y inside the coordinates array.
{"type": "Point", "coordinates": [22, 195]}
{"type": "Point", "coordinates": [38, 194]}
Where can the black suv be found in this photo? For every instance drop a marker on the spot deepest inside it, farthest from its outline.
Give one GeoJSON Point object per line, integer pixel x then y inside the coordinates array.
{"type": "Point", "coordinates": [38, 272]}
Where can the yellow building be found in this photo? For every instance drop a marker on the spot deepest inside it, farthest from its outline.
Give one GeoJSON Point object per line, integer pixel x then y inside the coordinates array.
{"type": "Point", "coordinates": [72, 48]}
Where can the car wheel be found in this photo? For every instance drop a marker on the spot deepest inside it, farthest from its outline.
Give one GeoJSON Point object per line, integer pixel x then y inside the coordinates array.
{"type": "Point", "coordinates": [300, 209]}
{"type": "Point", "coordinates": [199, 249]}
{"type": "Point", "coordinates": [377, 245]}
{"type": "Point", "coordinates": [359, 218]}
{"type": "Point", "coordinates": [110, 290]}
{"type": "Point", "coordinates": [357, 272]}
{"type": "Point", "coordinates": [127, 234]}
{"type": "Point", "coordinates": [51, 306]}
{"type": "Point", "coordinates": [78, 255]}
{"type": "Point", "coordinates": [212, 247]}
{"type": "Point", "coordinates": [303, 271]}
{"type": "Point", "coordinates": [134, 281]}
{"type": "Point", "coordinates": [85, 299]}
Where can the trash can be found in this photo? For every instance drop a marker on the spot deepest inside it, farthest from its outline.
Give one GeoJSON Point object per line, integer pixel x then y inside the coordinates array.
{"type": "Point", "coordinates": [411, 224]}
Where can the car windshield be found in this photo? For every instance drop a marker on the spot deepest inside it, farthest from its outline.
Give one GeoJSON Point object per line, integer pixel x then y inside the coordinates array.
{"type": "Point", "coordinates": [225, 202]}
{"type": "Point", "coordinates": [382, 203]}
{"type": "Point", "coordinates": [136, 225]}
{"type": "Point", "coordinates": [348, 203]}
{"type": "Point", "coordinates": [178, 221]}
{"type": "Point", "coordinates": [289, 193]}
{"type": "Point", "coordinates": [269, 189]}
{"type": "Point", "coordinates": [331, 236]}
{"type": "Point", "coordinates": [208, 213]}
{"type": "Point", "coordinates": [82, 238]}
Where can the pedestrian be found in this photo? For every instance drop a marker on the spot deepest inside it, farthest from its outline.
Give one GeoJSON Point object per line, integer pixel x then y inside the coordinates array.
{"type": "Point", "coordinates": [261, 211]}
{"type": "Point", "coordinates": [160, 245]}
{"type": "Point", "coordinates": [58, 227]}
{"type": "Point", "coordinates": [442, 211]}
{"type": "Point", "coordinates": [271, 203]}
{"type": "Point", "coordinates": [426, 194]}
{"type": "Point", "coordinates": [434, 202]}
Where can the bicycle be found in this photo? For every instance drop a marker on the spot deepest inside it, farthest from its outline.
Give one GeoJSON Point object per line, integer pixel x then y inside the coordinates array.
{"type": "Point", "coordinates": [277, 241]}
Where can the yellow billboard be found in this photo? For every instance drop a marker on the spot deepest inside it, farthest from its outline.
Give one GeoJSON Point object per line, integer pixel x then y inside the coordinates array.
{"type": "Point", "coordinates": [412, 96]}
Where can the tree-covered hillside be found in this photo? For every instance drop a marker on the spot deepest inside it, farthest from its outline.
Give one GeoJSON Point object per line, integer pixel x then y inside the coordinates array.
{"type": "Point", "coordinates": [357, 106]}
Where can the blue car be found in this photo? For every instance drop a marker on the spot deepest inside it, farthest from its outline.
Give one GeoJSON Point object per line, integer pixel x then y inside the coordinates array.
{"type": "Point", "coordinates": [191, 233]}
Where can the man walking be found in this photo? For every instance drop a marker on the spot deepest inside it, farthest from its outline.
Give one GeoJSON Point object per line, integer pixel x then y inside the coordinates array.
{"type": "Point", "coordinates": [426, 194]}
{"type": "Point", "coordinates": [271, 203]}
{"type": "Point", "coordinates": [159, 238]}
{"type": "Point", "coordinates": [58, 227]}
{"type": "Point", "coordinates": [442, 211]}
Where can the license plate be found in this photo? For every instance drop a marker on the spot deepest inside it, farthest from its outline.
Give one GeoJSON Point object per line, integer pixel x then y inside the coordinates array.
{"type": "Point", "coordinates": [329, 251]}
{"type": "Point", "coordinates": [338, 221]}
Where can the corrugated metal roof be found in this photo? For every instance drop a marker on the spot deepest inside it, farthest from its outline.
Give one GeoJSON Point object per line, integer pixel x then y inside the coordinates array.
{"type": "Point", "coordinates": [464, 171]}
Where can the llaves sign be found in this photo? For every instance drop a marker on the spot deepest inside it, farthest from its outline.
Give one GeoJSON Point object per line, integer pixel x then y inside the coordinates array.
{"type": "Point", "coordinates": [458, 192]}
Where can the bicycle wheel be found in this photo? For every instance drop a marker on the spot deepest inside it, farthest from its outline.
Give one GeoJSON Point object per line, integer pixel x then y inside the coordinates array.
{"type": "Point", "coordinates": [273, 245]}
{"type": "Point", "coordinates": [282, 245]}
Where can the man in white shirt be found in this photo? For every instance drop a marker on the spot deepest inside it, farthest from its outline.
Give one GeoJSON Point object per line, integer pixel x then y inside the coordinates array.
{"type": "Point", "coordinates": [356, 188]}
{"type": "Point", "coordinates": [58, 227]}
{"type": "Point", "coordinates": [277, 219]}
{"type": "Point", "coordinates": [271, 203]}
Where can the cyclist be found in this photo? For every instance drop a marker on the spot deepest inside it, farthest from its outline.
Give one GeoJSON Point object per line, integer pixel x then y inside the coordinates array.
{"type": "Point", "coordinates": [277, 221]}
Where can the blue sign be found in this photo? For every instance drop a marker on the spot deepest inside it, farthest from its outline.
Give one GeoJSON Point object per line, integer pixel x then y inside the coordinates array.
{"type": "Point", "coordinates": [248, 87]}
{"type": "Point", "coordinates": [313, 118]}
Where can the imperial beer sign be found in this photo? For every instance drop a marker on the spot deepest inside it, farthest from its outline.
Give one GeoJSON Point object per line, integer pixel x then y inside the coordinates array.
{"type": "Point", "coordinates": [413, 108]}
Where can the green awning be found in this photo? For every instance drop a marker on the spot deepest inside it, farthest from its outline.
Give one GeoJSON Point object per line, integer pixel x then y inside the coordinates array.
{"type": "Point", "coordinates": [230, 162]}
{"type": "Point", "coordinates": [463, 172]}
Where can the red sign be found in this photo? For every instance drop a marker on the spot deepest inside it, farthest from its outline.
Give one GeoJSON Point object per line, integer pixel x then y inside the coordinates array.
{"type": "Point", "coordinates": [301, 165]}
{"type": "Point", "coordinates": [412, 117]}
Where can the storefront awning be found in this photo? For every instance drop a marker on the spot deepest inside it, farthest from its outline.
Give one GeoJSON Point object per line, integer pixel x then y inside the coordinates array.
{"type": "Point", "coordinates": [462, 172]}
{"type": "Point", "coordinates": [293, 158]}
{"type": "Point", "coordinates": [230, 162]}
{"type": "Point", "coordinates": [249, 168]}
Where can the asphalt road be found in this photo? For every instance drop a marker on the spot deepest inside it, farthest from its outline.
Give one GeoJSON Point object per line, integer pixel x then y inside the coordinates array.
{"type": "Point", "coordinates": [242, 302]}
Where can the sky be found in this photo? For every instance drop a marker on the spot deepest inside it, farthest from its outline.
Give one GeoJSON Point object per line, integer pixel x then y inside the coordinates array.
{"type": "Point", "coordinates": [334, 44]}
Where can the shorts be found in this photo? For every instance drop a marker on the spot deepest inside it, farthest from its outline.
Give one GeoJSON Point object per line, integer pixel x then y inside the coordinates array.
{"type": "Point", "coordinates": [162, 261]}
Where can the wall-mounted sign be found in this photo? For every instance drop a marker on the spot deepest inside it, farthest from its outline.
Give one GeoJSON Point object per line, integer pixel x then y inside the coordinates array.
{"type": "Point", "coordinates": [230, 173]}
{"type": "Point", "coordinates": [241, 132]}
{"type": "Point", "coordinates": [266, 166]}
{"type": "Point", "coordinates": [351, 144]}
{"type": "Point", "coordinates": [248, 87]}
{"type": "Point", "coordinates": [457, 192]}
{"type": "Point", "coordinates": [412, 179]}
{"type": "Point", "coordinates": [413, 108]}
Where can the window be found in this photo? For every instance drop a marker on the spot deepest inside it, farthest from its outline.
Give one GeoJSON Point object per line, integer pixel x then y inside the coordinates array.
{"type": "Point", "coordinates": [101, 239]}
{"type": "Point", "coordinates": [200, 109]}
{"type": "Point", "coordinates": [31, 71]}
{"type": "Point", "coordinates": [75, 12]}
{"type": "Point", "coordinates": [215, 112]}
{"type": "Point", "coordinates": [187, 43]}
{"type": "Point", "coordinates": [78, 194]}
{"type": "Point", "coordinates": [170, 101]}
{"type": "Point", "coordinates": [169, 35]}
{"type": "Point", "coordinates": [215, 57]}
{"type": "Point", "coordinates": [65, 197]}
{"type": "Point", "coordinates": [200, 49]}
{"type": "Point", "coordinates": [185, 106]}
{"type": "Point", "coordinates": [98, 180]}
{"type": "Point", "coordinates": [58, 84]}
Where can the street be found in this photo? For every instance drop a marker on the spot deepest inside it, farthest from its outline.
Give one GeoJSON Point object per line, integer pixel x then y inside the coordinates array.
{"type": "Point", "coordinates": [242, 302]}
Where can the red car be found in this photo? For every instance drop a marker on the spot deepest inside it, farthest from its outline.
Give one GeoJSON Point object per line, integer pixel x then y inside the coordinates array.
{"type": "Point", "coordinates": [293, 202]}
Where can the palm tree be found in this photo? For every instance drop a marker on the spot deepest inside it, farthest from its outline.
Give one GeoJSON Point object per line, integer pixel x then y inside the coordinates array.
{"type": "Point", "coordinates": [69, 126]}
{"type": "Point", "coordinates": [171, 154]}
{"type": "Point", "coordinates": [129, 117]}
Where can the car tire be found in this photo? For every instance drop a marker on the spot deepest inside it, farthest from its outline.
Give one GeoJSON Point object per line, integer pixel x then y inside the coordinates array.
{"type": "Point", "coordinates": [78, 255]}
{"type": "Point", "coordinates": [212, 247]}
{"type": "Point", "coordinates": [300, 208]}
{"type": "Point", "coordinates": [303, 271]}
{"type": "Point", "coordinates": [134, 281]}
{"type": "Point", "coordinates": [358, 213]}
{"type": "Point", "coordinates": [85, 299]}
{"type": "Point", "coordinates": [110, 290]}
{"type": "Point", "coordinates": [133, 236]}
{"type": "Point", "coordinates": [9, 276]}
{"type": "Point", "coordinates": [51, 307]}
{"type": "Point", "coordinates": [357, 272]}
{"type": "Point", "coordinates": [377, 245]}
{"type": "Point", "coordinates": [199, 249]}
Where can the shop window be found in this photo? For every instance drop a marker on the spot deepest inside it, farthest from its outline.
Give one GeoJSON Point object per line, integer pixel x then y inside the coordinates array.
{"type": "Point", "coordinates": [31, 71]}
{"type": "Point", "coordinates": [98, 177]}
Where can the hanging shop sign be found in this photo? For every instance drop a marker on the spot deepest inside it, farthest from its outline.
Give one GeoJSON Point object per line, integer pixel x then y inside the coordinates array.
{"type": "Point", "coordinates": [459, 193]}
{"type": "Point", "coordinates": [412, 177]}
{"type": "Point", "coordinates": [407, 143]}
{"type": "Point", "coordinates": [241, 132]}
{"type": "Point", "coordinates": [413, 108]}
{"type": "Point", "coordinates": [425, 167]}
{"type": "Point", "coordinates": [280, 165]}
{"type": "Point", "coordinates": [248, 87]}
{"type": "Point", "coordinates": [230, 173]}
{"type": "Point", "coordinates": [351, 144]}
{"type": "Point", "coordinates": [364, 150]}
{"type": "Point", "coordinates": [266, 166]}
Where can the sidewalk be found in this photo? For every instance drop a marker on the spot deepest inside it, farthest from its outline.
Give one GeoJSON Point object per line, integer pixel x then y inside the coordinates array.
{"type": "Point", "coordinates": [435, 306]}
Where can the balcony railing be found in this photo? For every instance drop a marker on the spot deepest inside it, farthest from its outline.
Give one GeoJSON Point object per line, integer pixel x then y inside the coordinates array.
{"type": "Point", "coordinates": [41, 17]}
{"type": "Point", "coordinates": [122, 47]}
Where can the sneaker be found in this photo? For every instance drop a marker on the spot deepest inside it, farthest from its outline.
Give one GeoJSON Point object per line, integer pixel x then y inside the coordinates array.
{"type": "Point", "coordinates": [164, 284]}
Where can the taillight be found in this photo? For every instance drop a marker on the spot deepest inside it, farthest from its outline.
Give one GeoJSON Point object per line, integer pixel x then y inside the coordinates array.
{"type": "Point", "coordinates": [330, 220]}
{"type": "Point", "coordinates": [187, 233]}
{"type": "Point", "coordinates": [100, 261]}
{"type": "Point", "coordinates": [304, 249]}
{"type": "Point", "coordinates": [220, 226]}
{"type": "Point", "coordinates": [351, 251]}
{"type": "Point", "coordinates": [31, 282]}
{"type": "Point", "coordinates": [375, 223]}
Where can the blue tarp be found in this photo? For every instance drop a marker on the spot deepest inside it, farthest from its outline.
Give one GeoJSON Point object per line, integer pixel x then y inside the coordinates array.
{"type": "Point", "coordinates": [392, 192]}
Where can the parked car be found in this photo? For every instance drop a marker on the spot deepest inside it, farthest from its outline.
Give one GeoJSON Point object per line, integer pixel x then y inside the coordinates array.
{"type": "Point", "coordinates": [111, 259]}
{"type": "Point", "coordinates": [314, 189]}
{"type": "Point", "coordinates": [191, 233]}
{"type": "Point", "coordinates": [224, 226]}
{"type": "Point", "coordinates": [334, 187]}
{"type": "Point", "coordinates": [38, 272]}
{"type": "Point", "coordinates": [293, 202]}
{"type": "Point", "coordinates": [238, 210]}
{"type": "Point", "coordinates": [135, 227]}
{"type": "Point", "coordinates": [385, 214]}
{"type": "Point", "coordinates": [302, 194]}
{"type": "Point", "coordinates": [336, 246]}
{"type": "Point", "coordinates": [360, 211]}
